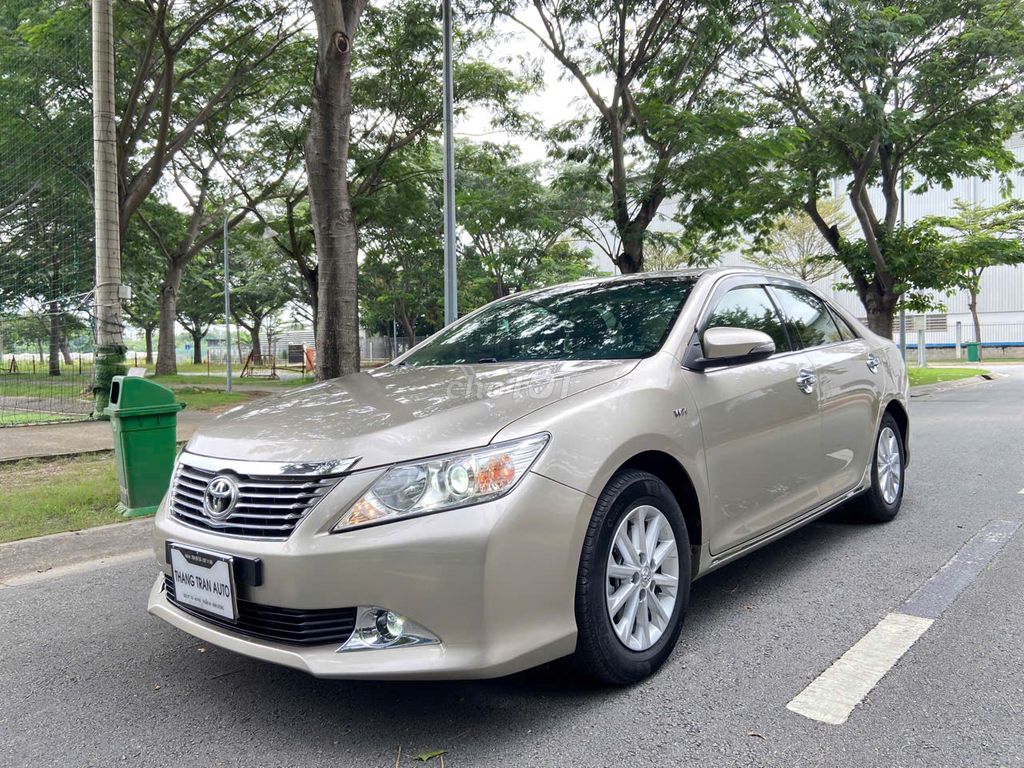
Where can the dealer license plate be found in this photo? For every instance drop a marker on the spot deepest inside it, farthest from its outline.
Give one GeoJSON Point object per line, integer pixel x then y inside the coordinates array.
{"type": "Point", "coordinates": [204, 581]}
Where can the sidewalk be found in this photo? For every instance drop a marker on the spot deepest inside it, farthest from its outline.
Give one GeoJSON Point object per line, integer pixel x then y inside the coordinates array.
{"type": "Point", "coordinates": [77, 437]}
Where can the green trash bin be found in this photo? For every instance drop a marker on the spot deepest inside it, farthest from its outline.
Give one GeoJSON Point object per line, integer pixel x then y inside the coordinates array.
{"type": "Point", "coordinates": [973, 351]}
{"type": "Point", "coordinates": [144, 416]}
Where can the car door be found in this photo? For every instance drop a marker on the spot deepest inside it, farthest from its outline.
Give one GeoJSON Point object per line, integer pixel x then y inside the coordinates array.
{"type": "Point", "coordinates": [760, 424]}
{"type": "Point", "coordinates": [847, 373]}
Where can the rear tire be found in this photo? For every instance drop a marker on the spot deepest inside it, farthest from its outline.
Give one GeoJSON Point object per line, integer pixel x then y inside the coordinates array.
{"type": "Point", "coordinates": [881, 502]}
{"type": "Point", "coordinates": [634, 580]}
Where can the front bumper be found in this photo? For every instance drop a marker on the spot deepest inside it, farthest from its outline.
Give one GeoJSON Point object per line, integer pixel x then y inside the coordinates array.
{"type": "Point", "coordinates": [495, 582]}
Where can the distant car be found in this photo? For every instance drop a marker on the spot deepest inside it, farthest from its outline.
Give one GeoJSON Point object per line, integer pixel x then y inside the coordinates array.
{"type": "Point", "coordinates": [543, 478]}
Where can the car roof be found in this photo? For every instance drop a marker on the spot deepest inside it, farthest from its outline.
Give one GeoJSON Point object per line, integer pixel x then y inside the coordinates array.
{"type": "Point", "coordinates": [690, 273]}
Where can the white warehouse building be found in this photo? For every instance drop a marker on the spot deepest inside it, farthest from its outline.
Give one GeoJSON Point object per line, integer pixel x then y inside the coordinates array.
{"type": "Point", "coordinates": [1001, 300]}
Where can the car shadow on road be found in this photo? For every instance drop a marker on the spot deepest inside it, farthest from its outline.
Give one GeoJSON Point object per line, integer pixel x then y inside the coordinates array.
{"type": "Point", "coordinates": [292, 708]}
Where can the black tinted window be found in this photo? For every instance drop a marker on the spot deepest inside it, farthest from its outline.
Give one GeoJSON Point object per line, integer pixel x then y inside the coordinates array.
{"type": "Point", "coordinates": [606, 321]}
{"type": "Point", "coordinates": [808, 319]}
{"type": "Point", "coordinates": [749, 307]}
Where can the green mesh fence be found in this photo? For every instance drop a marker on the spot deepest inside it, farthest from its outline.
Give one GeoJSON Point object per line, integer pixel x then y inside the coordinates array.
{"type": "Point", "coordinates": [46, 219]}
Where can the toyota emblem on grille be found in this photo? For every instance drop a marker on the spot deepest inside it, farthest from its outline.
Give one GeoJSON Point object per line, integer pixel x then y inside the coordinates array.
{"type": "Point", "coordinates": [220, 498]}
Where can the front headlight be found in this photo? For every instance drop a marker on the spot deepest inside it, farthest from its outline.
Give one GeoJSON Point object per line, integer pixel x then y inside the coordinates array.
{"type": "Point", "coordinates": [444, 482]}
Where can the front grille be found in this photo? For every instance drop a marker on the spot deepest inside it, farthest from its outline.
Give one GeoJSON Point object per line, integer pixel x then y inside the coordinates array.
{"type": "Point", "coordinates": [327, 626]}
{"type": "Point", "coordinates": [268, 506]}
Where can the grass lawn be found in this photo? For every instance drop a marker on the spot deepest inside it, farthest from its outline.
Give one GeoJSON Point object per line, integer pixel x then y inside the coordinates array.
{"type": "Point", "coordinates": [920, 376]}
{"type": "Point", "coordinates": [199, 399]}
{"type": "Point", "coordinates": [42, 496]}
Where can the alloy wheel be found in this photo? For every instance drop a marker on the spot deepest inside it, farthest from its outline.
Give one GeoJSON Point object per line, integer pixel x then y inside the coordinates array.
{"type": "Point", "coordinates": [642, 578]}
{"type": "Point", "coordinates": [889, 465]}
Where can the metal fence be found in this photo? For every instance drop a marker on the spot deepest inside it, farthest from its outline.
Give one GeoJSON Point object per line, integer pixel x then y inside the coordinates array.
{"type": "Point", "coordinates": [46, 225]}
{"type": "Point", "coordinates": [998, 341]}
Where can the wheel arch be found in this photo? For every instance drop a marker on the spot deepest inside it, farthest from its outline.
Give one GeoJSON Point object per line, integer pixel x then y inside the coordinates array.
{"type": "Point", "coordinates": [898, 411]}
{"type": "Point", "coordinates": [670, 471]}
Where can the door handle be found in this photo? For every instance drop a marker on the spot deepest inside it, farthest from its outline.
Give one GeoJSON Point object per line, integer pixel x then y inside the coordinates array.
{"type": "Point", "coordinates": [806, 381]}
{"type": "Point", "coordinates": [873, 362]}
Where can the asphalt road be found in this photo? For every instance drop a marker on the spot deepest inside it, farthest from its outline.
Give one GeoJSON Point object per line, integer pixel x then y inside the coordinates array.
{"type": "Point", "coordinates": [87, 678]}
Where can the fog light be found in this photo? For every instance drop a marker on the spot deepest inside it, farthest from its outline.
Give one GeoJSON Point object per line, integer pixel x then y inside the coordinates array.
{"type": "Point", "coordinates": [378, 628]}
{"type": "Point", "coordinates": [390, 625]}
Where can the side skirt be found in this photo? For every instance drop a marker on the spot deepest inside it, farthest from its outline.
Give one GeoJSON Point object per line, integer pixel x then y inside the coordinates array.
{"type": "Point", "coordinates": [713, 562]}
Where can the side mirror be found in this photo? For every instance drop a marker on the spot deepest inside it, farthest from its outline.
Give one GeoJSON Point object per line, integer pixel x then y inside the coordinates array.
{"type": "Point", "coordinates": [732, 346]}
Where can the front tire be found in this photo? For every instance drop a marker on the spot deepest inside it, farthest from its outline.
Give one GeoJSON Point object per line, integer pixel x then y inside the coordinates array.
{"type": "Point", "coordinates": [881, 502]}
{"type": "Point", "coordinates": [634, 580]}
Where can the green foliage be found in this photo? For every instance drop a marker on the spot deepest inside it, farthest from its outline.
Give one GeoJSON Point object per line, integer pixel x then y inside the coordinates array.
{"type": "Point", "coordinates": [46, 258]}
{"type": "Point", "coordinates": [927, 91]}
{"type": "Point", "coordinates": [795, 246]}
{"type": "Point", "coordinates": [664, 122]}
{"type": "Point", "coordinates": [401, 276]}
{"type": "Point", "coordinates": [261, 283]}
{"type": "Point", "coordinates": [514, 222]}
{"type": "Point", "coordinates": [982, 237]}
{"type": "Point", "coordinates": [918, 261]}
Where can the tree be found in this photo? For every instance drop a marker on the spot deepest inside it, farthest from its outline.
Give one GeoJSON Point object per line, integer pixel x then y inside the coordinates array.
{"type": "Point", "coordinates": [327, 159]}
{"type": "Point", "coordinates": [201, 301]}
{"type": "Point", "coordinates": [512, 219]}
{"type": "Point", "coordinates": [46, 242]}
{"type": "Point", "coordinates": [260, 286]}
{"type": "Point", "coordinates": [665, 121]}
{"type": "Point", "coordinates": [183, 235]}
{"type": "Point", "coordinates": [143, 273]}
{"type": "Point", "coordinates": [183, 65]}
{"type": "Point", "coordinates": [401, 275]}
{"type": "Point", "coordinates": [796, 246]}
{"type": "Point", "coordinates": [372, 109]}
{"type": "Point", "coordinates": [983, 237]}
{"type": "Point", "coordinates": [881, 92]}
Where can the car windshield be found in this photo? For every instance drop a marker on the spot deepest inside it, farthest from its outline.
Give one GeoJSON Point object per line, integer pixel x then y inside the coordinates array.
{"type": "Point", "coordinates": [607, 321]}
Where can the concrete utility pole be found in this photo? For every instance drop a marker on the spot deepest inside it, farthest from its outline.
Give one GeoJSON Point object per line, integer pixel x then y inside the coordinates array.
{"type": "Point", "coordinates": [227, 304]}
{"type": "Point", "coordinates": [110, 347]}
{"type": "Point", "coordinates": [451, 289]}
{"type": "Point", "coordinates": [903, 221]}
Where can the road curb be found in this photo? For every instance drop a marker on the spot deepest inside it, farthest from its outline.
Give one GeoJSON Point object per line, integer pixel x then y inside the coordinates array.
{"type": "Point", "coordinates": [931, 389]}
{"type": "Point", "coordinates": [59, 550]}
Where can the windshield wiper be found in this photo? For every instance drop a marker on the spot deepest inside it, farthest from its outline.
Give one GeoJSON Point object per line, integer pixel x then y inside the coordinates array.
{"type": "Point", "coordinates": [487, 360]}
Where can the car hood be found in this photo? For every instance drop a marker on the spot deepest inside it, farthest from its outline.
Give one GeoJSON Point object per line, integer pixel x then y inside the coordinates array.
{"type": "Point", "coordinates": [396, 413]}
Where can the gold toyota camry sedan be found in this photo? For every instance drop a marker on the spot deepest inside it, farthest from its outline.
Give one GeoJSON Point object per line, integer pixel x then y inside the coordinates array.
{"type": "Point", "coordinates": [544, 478]}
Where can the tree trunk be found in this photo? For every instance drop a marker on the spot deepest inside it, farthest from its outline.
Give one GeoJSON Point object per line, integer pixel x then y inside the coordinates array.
{"type": "Point", "coordinates": [312, 281]}
{"type": "Point", "coordinates": [197, 347]}
{"type": "Point", "coordinates": [334, 227]}
{"type": "Point", "coordinates": [257, 343]}
{"type": "Point", "coordinates": [65, 349]}
{"type": "Point", "coordinates": [631, 259]}
{"type": "Point", "coordinates": [149, 345]}
{"type": "Point", "coordinates": [973, 306]}
{"type": "Point", "coordinates": [166, 362]}
{"type": "Point", "coordinates": [410, 330]}
{"type": "Point", "coordinates": [880, 306]}
{"type": "Point", "coordinates": [54, 341]}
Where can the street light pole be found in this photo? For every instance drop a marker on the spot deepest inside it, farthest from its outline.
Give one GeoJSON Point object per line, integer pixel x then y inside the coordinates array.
{"type": "Point", "coordinates": [903, 221]}
{"type": "Point", "coordinates": [227, 302]}
{"type": "Point", "coordinates": [451, 291]}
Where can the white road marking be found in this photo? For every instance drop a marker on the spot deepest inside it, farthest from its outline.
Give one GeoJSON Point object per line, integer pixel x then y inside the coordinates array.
{"type": "Point", "coordinates": [67, 570]}
{"type": "Point", "coordinates": [832, 696]}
